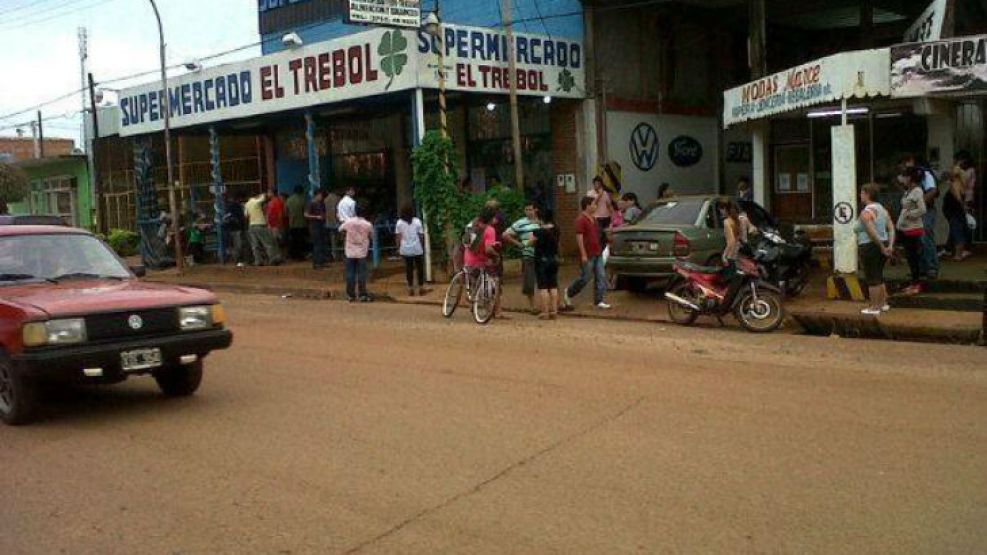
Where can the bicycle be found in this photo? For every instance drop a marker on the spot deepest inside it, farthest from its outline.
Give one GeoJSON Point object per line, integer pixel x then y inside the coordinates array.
{"type": "Point", "coordinates": [481, 293]}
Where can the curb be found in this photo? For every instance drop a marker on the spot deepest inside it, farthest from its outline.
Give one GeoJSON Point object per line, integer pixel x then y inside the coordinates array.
{"type": "Point", "coordinates": [817, 324]}
{"type": "Point", "coordinates": [857, 327]}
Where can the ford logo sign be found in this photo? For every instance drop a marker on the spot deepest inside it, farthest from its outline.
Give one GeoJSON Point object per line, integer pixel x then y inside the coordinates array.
{"type": "Point", "coordinates": [135, 322]}
{"type": "Point", "coordinates": [685, 151]}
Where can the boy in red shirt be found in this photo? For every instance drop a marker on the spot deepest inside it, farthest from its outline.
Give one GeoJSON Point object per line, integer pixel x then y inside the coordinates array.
{"type": "Point", "coordinates": [590, 255]}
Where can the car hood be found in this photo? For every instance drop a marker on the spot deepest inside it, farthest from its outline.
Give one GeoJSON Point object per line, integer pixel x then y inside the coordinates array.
{"type": "Point", "coordinates": [77, 297]}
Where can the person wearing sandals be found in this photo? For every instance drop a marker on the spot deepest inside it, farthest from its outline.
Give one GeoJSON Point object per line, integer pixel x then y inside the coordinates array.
{"type": "Point", "coordinates": [875, 239]}
{"type": "Point", "coordinates": [545, 241]}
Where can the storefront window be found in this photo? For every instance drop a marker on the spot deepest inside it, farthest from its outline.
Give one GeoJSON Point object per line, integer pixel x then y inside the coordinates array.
{"type": "Point", "coordinates": [490, 152]}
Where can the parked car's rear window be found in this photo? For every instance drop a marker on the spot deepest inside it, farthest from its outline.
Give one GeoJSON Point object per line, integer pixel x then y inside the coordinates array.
{"type": "Point", "coordinates": [48, 257]}
{"type": "Point", "coordinates": [673, 212]}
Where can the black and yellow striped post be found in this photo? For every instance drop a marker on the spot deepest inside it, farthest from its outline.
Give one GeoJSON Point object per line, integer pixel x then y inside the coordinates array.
{"type": "Point", "coordinates": [613, 176]}
{"type": "Point", "coordinates": [845, 287]}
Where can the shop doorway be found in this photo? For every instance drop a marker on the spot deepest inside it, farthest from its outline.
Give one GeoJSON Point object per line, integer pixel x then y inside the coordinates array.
{"type": "Point", "coordinates": [792, 186]}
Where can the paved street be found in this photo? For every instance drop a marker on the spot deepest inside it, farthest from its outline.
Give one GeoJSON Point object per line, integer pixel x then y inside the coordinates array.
{"type": "Point", "coordinates": [384, 428]}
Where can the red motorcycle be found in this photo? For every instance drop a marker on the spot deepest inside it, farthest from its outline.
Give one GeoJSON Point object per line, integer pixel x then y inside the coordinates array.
{"type": "Point", "coordinates": [718, 291]}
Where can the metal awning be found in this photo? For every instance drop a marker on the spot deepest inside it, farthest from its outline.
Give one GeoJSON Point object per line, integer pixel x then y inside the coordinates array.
{"type": "Point", "coordinates": [855, 74]}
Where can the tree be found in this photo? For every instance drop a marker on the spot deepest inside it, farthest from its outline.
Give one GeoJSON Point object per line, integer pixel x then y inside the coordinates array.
{"type": "Point", "coordinates": [446, 207]}
{"type": "Point", "coordinates": [14, 185]}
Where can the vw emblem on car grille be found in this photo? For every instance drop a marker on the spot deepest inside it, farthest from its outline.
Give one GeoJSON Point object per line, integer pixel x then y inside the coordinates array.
{"type": "Point", "coordinates": [135, 322]}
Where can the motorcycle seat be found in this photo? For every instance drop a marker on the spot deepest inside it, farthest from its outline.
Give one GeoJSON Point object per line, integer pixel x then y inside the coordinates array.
{"type": "Point", "coordinates": [691, 267]}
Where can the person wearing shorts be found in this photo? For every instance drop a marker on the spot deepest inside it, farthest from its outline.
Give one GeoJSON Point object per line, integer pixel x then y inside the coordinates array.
{"type": "Point", "coordinates": [519, 234]}
{"type": "Point", "coordinates": [875, 238]}
{"type": "Point", "coordinates": [545, 241]}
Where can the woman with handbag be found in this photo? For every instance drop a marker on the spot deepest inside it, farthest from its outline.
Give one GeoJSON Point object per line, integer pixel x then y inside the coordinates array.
{"type": "Point", "coordinates": [911, 228]}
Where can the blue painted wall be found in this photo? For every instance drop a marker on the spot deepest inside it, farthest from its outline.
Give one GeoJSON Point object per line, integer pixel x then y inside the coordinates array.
{"type": "Point", "coordinates": [558, 18]}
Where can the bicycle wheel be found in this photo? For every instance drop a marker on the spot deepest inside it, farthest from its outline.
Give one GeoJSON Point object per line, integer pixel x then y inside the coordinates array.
{"type": "Point", "coordinates": [486, 298]}
{"type": "Point", "coordinates": [453, 294]}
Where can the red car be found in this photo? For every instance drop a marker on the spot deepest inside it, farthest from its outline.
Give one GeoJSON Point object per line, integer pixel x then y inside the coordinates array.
{"type": "Point", "coordinates": [71, 310]}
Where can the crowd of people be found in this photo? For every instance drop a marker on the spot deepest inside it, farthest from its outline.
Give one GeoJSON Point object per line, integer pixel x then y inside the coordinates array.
{"type": "Point", "coordinates": [537, 237]}
{"type": "Point", "coordinates": [914, 230]}
{"type": "Point", "coordinates": [270, 227]}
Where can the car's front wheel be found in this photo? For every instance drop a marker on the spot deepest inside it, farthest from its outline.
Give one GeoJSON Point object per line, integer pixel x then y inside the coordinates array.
{"type": "Point", "coordinates": [17, 395]}
{"type": "Point", "coordinates": [181, 380]}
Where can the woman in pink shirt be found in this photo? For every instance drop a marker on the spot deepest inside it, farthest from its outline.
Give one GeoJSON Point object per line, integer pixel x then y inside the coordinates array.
{"type": "Point", "coordinates": [485, 250]}
{"type": "Point", "coordinates": [359, 235]}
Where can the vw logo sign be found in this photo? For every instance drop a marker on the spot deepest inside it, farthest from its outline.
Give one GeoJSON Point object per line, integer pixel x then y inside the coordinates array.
{"type": "Point", "coordinates": [644, 147]}
{"type": "Point", "coordinates": [135, 322]}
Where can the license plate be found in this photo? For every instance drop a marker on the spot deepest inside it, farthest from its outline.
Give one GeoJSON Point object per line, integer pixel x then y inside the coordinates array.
{"type": "Point", "coordinates": [644, 247]}
{"type": "Point", "coordinates": [140, 359]}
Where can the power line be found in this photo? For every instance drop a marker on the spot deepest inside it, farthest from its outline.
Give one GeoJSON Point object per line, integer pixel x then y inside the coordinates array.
{"type": "Point", "coordinates": [26, 4]}
{"type": "Point", "coordinates": [42, 105]}
{"type": "Point", "coordinates": [541, 17]}
{"type": "Point", "coordinates": [28, 23]}
{"type": "Point", "coordinates": [67, 115]}
{"type": "Point", "coordinates": [234, 50]}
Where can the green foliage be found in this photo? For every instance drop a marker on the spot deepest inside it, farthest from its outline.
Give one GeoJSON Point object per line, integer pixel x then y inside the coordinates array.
{"type": "Point", "coordinates": [435, 187]}
{"type": "Point", "coordinates": [447, 209]}
{"type": "Point", "coordinates": [124, 242]}
{"type": "Point", "coordinates": [14, 185]}
{"type": "Point", "coordinates": [392, 52]}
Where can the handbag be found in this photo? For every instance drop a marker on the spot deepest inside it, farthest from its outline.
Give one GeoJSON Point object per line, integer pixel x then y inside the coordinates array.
{"type": "Point", "coordinates": [971, 222]}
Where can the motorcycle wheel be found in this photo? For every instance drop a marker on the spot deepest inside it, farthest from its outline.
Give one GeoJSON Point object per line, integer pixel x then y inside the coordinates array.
{"type": "Point", "coordinates": [762, 314]}
{"type": "Point", "coordinates": [679, 314]}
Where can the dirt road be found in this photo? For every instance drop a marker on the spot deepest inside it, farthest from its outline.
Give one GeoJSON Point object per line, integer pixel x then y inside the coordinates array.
{"type": "Point", "coordinates": [382, 428]}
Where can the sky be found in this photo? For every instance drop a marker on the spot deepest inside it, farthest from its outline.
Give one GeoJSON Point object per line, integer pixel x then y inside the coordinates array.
{"type": "Point", "coordinates": [40, 46]}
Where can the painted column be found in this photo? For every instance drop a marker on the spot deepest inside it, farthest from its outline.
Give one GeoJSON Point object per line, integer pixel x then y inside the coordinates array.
{"type": "Point", "coordinates": [418, 134]}
{"type": "Point", "coordinates": [313, 154]}
{"type": "Point", "coordinates": [844, 199]}
{"type": "Point", "coordinates": [218, 189]}
{"type": "Point", "coordinates": [760, 179]}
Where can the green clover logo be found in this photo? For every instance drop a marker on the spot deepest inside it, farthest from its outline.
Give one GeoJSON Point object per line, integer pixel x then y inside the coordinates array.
{"type": "Point", "coordinates": [391, 50]}
{"type": "Point", "coordinates": [566, 81]}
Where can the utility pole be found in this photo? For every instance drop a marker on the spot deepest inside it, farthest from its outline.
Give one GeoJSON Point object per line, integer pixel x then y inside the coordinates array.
{"type": "Point", "coordinates": [94, 168]}
{"type": "Point", "coordinates": [757, 31]}
{"type": "Point", "coordinates": [34, 137]}
{"type": "Point", "coordinates": [512, 69]}
{"type": "Point", "coordinates": [176, 228]}
{"type": "Point", "coordinates": [83, 57]}
{"type": "Point", "coordinates": [41, 137]}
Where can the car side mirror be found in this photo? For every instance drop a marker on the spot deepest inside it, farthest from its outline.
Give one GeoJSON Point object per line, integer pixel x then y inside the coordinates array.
{"type": "Point", "coordinates": [139, 271]}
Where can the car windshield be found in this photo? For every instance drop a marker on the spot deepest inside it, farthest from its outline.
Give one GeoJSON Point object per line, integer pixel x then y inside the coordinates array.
{"type": "Point", "coordinates": [57, 257]}
{"type": "Point", "coordinates": [672, 212]}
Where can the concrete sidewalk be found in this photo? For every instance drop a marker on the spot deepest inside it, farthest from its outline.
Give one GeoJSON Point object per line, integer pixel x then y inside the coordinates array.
{"type": "Point", "coordinates": [808, 313]}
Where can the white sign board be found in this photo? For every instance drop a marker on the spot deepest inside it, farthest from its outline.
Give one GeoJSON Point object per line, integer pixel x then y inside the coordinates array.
{"type": "Point", "coordinates": [844, 199]}
{"type": "Point", "coordinates": [374, 62]}
{"type": "Point", "coordinates": [928, 26]}
{"type": "Point", "coordinates": [361, 65]}
{"type": "Point", "coordinates": [860, 74]}
{"type": "Point", "coordinates": [653, 149]}
{"type": "Point", "coordinates": [949, 66]}
{"type": "Point", "coordinates": [476, 60]}
{"type": "Point", "coordinates": [388, 13]}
